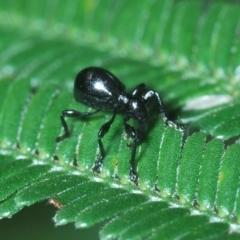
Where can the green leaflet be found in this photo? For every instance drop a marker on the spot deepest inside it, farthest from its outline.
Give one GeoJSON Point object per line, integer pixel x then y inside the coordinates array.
{"type": "Point", "coordinates": [13, 110]}
{"type": "Point", "coordinates": [228, 187]}
{"type": "Point", "coordinates": [209, 172]}
{"type": "Point", "coordinates": [190, 168]}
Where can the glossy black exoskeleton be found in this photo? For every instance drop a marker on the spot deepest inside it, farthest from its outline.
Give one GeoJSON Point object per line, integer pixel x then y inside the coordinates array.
{"type": "Point", "coordinates": [101, 90]}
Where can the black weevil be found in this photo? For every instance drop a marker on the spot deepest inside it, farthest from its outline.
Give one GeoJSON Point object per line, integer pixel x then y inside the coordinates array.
{"type": "Point", "coordinates": [101, 90]}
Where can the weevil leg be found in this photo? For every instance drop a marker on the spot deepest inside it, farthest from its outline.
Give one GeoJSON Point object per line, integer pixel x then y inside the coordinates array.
{"type": "Point", "coordinates": [102, 132]}
{"type": "Point", "coordinates": [133, 134]}
{"type": "Point", "coordinates": [168, 122]}
{"type": "Point", "coordinates": [148, 95]}
{"type": "Point", "coordinates": [72, 114]}
{"type": "Point", "coordinates": [132, 173]}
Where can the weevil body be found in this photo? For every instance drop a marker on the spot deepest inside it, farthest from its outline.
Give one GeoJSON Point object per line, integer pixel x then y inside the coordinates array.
{"type": "Point", "coordinates": [99, 89]}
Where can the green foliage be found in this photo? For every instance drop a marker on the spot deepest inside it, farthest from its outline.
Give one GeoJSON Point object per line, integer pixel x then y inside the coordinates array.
{"type": "Point", "coordinates": [188, 51]}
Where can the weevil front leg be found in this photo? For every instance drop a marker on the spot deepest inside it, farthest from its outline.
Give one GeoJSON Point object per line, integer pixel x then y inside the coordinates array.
{"type": "Point", "coordinates": [168, 122]}
{"type": "Point", "coordinates": [72, 114]}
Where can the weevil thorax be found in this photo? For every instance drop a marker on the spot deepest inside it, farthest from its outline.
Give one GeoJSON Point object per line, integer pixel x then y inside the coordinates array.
{"type": "Point", "coordinates": [135, 108]}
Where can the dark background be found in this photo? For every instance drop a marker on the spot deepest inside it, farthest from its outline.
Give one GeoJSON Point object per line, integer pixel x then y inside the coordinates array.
{"type": "Point", "coordinates": [37, 221]}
